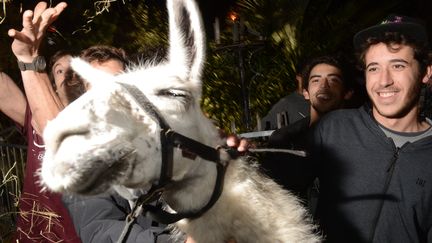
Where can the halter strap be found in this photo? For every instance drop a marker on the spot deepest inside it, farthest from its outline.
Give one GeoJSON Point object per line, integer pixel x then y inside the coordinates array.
{"type": "Point", "coordinates": [153, 112]}
{"type": "Point", "coordinates": [169, 140]}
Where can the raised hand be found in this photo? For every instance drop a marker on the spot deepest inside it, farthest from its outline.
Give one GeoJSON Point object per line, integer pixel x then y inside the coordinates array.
{"type": "Point", "coordinates": [27, 41]}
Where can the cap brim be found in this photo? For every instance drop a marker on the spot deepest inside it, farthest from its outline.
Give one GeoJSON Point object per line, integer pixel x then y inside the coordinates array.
{"type": "Point", "coordinates": [408, 29]}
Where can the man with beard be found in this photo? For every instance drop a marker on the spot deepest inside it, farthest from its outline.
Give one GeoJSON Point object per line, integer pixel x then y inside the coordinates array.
{"type": "Point", "coordinates": [327, 85]}
{"type": "Point", "coordinates": [374, 163]}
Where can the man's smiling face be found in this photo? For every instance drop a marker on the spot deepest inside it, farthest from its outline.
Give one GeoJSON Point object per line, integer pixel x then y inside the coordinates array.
{"type": "Point", "coordinates": [393, 80]}
{"type": "Point", "coordinates": [326, 90]}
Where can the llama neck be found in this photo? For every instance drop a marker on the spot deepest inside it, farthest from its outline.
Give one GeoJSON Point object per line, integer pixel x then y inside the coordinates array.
{"type": "Point", "coordinates": [195, 189]}
{"type": "Point", "coordinates": [221, 216]}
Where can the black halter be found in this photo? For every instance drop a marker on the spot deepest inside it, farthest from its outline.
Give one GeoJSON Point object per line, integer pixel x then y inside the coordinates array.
{"type": "Point", "coordinates": [169, 140]}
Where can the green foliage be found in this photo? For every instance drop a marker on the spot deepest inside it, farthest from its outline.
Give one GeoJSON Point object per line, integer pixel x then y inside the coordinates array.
{"type": "Point", "coordinates": [222, 91]}
{"type": "Point", "coordinates": [151, 28]}
{"type": "Point", "coordinates": [294, 30]}
{"type": "Point", "coordinates": [291, 30]}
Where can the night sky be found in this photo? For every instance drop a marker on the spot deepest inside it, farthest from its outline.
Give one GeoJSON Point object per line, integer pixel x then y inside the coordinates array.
{"type": "Point", "coordinates": [212, 9]}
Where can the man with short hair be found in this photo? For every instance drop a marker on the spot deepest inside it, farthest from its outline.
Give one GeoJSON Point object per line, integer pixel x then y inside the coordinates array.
{"type": "Point", "coordinates": [375, 162]}
{"type": "Point", "coordinates": [103, 57]}
{"type": "Point", "coordinates": [327, 85]}
{"type": "Point", "coordinates": [290, 108]}
{"type": "Point", "coordinates": [42, 216]}
{"type": "Point", "coordinates": [58, 63]}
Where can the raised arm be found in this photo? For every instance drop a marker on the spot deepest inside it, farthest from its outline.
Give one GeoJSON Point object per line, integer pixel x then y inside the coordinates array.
{"type": "Point", "coordinates": [12, 100]}
{"type": "Point", "coordinates": [42, 99]}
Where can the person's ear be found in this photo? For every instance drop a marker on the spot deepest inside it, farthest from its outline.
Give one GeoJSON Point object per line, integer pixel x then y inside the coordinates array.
{"type": "Point", "coordinates": [427, 79]}
{"type": "Point", "coordinates": [306, 94]}
{"type": "Point", "coordinates": [349, 94]}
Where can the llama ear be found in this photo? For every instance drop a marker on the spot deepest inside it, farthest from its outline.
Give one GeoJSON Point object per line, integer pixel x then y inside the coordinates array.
{"type": "Point", "coordinates": [89, 73]}
{"type": "Point", "coordinates": [186, 37]}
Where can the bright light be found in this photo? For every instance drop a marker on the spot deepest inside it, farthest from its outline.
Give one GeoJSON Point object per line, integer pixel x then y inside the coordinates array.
{"type": "Point", "coordinates": [233, 16]}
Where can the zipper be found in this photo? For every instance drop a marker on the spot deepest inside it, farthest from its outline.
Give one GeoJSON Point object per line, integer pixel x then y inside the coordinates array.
{"type": "Point", "coordinates": [389, 171]}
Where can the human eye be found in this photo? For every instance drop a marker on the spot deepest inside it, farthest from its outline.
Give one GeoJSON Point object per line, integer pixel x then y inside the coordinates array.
{"type": "Point", "coordinates": [398, 66]}
{"type": "Point", "coordinates": [59, 71]}
{"type": "Point", "coordinates": [335, 80]}
{"type": "Point", "coordinates": [314, 80]}
{"type": "Point", "coordinates": [372, 69]}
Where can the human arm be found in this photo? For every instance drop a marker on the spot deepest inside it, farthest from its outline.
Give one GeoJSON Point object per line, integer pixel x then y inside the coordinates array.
{"type": "Point", "coordinates": [12, 99]}
{"type": "Point", "coordinates": [295, 172]}
{"type": "Point", "coordinates": [102, 218]}
{"type": "Point", "coordinates": [42, 99]}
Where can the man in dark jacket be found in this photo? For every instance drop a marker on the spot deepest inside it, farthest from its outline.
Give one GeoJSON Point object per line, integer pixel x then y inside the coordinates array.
{"type": "Point", "coordinates": [375, 162]}
{"type": "Point", "coordinates": [327, 85]}
{"type": "Point", "coordinates": [102, 218]}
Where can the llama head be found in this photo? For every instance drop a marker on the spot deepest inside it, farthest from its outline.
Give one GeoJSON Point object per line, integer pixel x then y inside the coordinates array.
{"type": "Point", "coordinates": [105, 139]}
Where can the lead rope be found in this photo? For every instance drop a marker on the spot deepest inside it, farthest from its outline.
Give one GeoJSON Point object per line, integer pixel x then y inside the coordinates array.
{"type": "Point", "coordinates": [300, 153]}
{"type": "Point", "coordinates": [153, 195]}
{"type": "Point", "coordinates": [130, 219]}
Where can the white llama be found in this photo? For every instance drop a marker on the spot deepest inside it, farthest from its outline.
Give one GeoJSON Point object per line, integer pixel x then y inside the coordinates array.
{"type": "Point", "coordinates": [108, 139]}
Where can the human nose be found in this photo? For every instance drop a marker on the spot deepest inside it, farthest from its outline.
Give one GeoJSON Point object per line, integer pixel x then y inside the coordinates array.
{"type": "Point", "coordinates": [324, 83]}
{"type": "Point", "coordinates": [386, 78]}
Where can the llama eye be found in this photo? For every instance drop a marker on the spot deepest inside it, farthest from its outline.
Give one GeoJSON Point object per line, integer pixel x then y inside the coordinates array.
{"type": "Point", "coordinates": [175, 93]}
{"type": "Point", "coordinates": [183, 97]}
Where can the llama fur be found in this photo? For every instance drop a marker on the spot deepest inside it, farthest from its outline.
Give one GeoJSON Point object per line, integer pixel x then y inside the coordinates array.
{"type": "Point", "coordinates": [105, 141]}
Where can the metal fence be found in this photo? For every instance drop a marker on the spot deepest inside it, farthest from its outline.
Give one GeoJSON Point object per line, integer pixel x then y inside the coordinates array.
{"type": "Point", "coordinates": [12, 164]}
